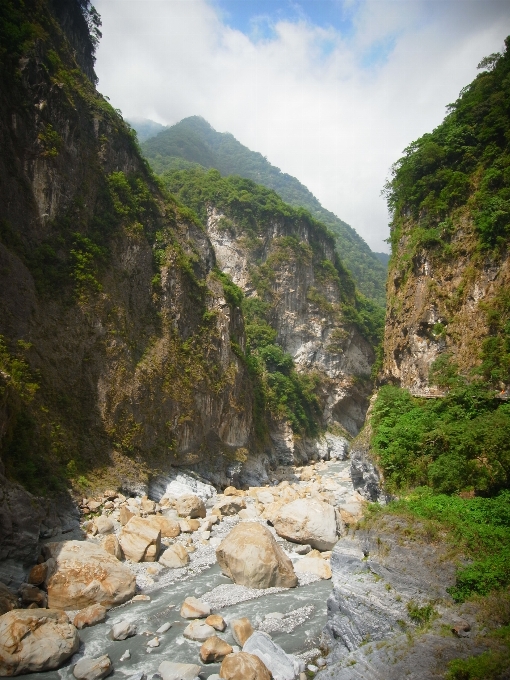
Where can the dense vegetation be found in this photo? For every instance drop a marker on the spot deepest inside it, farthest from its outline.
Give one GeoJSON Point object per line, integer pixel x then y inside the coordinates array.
{"type": "Point", "coordinates": [464, 164]}
{"type": "Point", "coordinates": [194, 142]}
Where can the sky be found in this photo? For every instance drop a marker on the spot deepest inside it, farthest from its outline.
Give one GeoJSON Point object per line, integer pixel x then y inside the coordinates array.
{"type": "Point", "coordinates": [330, 91]}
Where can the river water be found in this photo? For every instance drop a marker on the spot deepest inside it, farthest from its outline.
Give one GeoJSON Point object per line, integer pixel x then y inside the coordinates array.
{"type": "Point", "coordinates": [298, 632]}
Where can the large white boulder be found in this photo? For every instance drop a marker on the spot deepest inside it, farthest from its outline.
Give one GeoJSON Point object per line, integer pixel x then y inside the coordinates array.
{"type": "Point", "coordinates": [140, 540]}
{"type": "Point", "coordinates": [282, 666]}
{"type": "Point", "coordinates": [251, 557]}
{"type": "Point", "coordinates": [307, 520]}
{"type": "Point", "coordinates": [35, 640]}
{"type": "Point", "coordinates": [82, 573]}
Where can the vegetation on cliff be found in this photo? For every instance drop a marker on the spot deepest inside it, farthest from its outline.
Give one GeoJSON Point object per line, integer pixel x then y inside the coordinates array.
{"type": "Point", "coordinates": [193, 143]}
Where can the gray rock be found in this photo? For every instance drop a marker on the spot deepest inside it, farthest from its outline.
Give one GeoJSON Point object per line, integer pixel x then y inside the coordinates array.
{"type": "Point", "coordinates": [302, 549]}
{"type": "Point", "coordinates": [137, 676]}
{"type": "Point", "coordinates": [178, 671]}
{"type": "Point", "coordinates": [282, 666]}
{"type": "Point", "coordinates": [123, 630]}
{"type": "Point", "coordinates": [338, 447]}
{"type": "Point", "coordinates": [163, 629]}
{"type": "Point", "coordinates": [93, 669]}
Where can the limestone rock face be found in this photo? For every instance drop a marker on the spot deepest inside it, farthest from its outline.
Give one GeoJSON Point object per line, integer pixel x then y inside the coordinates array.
{"type": "Point", "coordinates": [251, 557]}
{"type": "Point", "coordinates": [140, 540]}
{"type": "Point", "coordinates": [308, 520]}
{"type": "Point", "coordinates": [190, 506]}
{"type": "Point", "coordinates": [35, 640]}
{"type": "Point", "coordinates": [243, 666]}
{"type": "Point", "coordinates": [85, 574]}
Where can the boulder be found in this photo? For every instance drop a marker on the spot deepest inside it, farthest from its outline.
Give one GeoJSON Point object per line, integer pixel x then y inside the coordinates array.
{"type": "Point", "coordinates": [93, 669]}
{"type": "Point", "coordinates": [125, 515]}
{"type": "Point", "coordinates": [230, 506]}
{"type": "Point", "coordinates": [104, 525]}
{"type": "Point", "coordinates": [198, 630]}
{"type": "Point", "coordinates": [243, 666]}
{"type": "Point", "coordinates": [169, 527]}
{"type": "Point", "coordinates": [217, 622]}
{"type": "Point", "coordinates": [140, 541]}
{"type": "Point", "coordinates": [35, 640]}
{"type": "Point", "coordinates": [112, 546]}
{"type": "Point", "coordinates": [85, 574]}
{"type": "Point", "coordinates": [32, 594]}
{"type": "Point", "coordinates": [214, 649]}
{"type": "Point", "coordinates": [89, 616]}
{"type": "Point", "coordinates": [241, 630]}
{"type": "Point", "coordinates": [313, 565]}
{"type": "Point", "coordinates": [8, 599]}
{"type": "Point", "coordinates": [38, 574]}
{"type": "Point", "coordinates": [164, 628]}
{"type": "Point", "coordinates": [307, 520]}
{"type": "Point", "coordinates": [147, 506]}
{"type": "Point", "coordinates": [251, 557]}
{"type": "Point", "coordinates": [178, 671]}
{"type": "Point", "coordinates": [174, 557]}
{"type": "Point", "coordinates": [190, 506]}
{"type": "Point", "coordinates": [192, 608]}
{"type": "Point", "coordinates": [281, 665]}
{"type": "Point", "coordinates": [123, 630]}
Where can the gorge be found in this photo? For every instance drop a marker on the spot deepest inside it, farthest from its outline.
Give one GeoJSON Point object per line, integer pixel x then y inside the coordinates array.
{"type": "Point", "coordinates": [186, 368]}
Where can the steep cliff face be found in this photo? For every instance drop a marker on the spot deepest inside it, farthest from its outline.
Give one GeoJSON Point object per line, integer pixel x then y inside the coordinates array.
{"type": "Point", "coordinates": [116, 352]}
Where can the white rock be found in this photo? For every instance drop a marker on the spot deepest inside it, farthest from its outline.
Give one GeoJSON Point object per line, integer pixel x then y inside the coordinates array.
{"type": "Point", "coordinates": [265, 497]}
{"type": "Point", "coordinates": [153, 643]}
{"type": "Point", "coordinates": [163, 629]}
{"type": "Point", "coordinates": [123, 630]}
{"type": "Point", "coordinates": [308, 520]}
{"type": "Point", "coordinates": [178, 671]}
{"type": "Point", "coordinates": [93, 669]}
{"type": "Point", "coordinates": [283, 666]}
{"type": "Point", "coordinates": [198, 630]}
{"type": "Point", "coordinates": [125, 656]}
{"type": "Point", "coordinates": [175, 556]}
{"type": "Point", "coordinates": [104, 525]}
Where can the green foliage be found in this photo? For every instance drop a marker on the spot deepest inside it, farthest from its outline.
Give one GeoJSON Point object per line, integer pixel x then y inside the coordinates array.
{"type": "Point", "coordinates": [50, 141]}
{"type": "Point", "coordinates": [16, 32]}
{"type": "Point", "coordinates": [495, 353]}
{"type": "Point", "coordinates": [456, 443]}
{"type": "Point", "coordinates": [193, 144]}
{"type": "Point", "coordinates": [463, 162]}
{"type": "Point", "coordinates": [233, 294]}
{"type": "Point", "coordinates": [490, 665]}
{"type": "Point", "coordinates": [86, 255]}
{"type": "Point", "coordinates": [420, 615]}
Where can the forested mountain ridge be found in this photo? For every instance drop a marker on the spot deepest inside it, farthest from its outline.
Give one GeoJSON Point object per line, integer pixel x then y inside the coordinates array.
{"type": "Point", "coordinates": [193, 140]}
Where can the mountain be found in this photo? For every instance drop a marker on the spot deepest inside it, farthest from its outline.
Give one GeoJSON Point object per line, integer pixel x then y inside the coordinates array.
{"type": "Point", "coordinates": [145, 128]}
{"type": "Point", "coordinates": [194, 141]}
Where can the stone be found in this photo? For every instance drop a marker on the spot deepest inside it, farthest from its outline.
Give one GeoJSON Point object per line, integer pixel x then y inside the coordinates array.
{"type": "Point", "coordinates": [313, 565]}
{"type": "Point", "coordinates": [112, 546]}
{"type": "Point", "coordinates": [302, 549]}
{"type": "Point", "coordinates": [8, 599]}
{"type": "Point", "coordinates": [147, 506]}
{"type": "Point", "coordinates": [281, 665]}
{"type": "Point", "coordinates": [93, 506]}
{"type": "Point", "coordinates": [125, 656]}
{"type": "Point", "coordinates": [265, 497]}
{"type": "Point", "coordinates": [141, 598]}
{"type": "Point", "coordinates": [152, 644]}
{"type": "Point", "coordinates": [251, 557]}
{"type": "Point", "coordinates": [192, 608]}
{"type": "Point", "coordinates": [89, 616]}
{"type": "Point", "coordinates": [198, 630]}
{"type": "Point", "coordinates": [308, 520]}
{"type": "Point", "coordinates": [85, 574]}
{"type": "Point", "coordinates": [232, 491]}
{"type": "Point", "coordinates": [123, 630]}
{"type": "Point", "coordinates": [110, 495]}
{"type": "Point", "coordinates": [168, 527]}
{"type": "Point", "coordinates": [125, 515]}
{"type": "Point", "coordinates": [461, 628]}
{"type": "Point", "coordinates": [140, 541]}
{"type": "Point", "coordinates": [217, 622]}
{"type": "Point", "coordinates": [241, 630]}
{"type": "Point", "coordinates": [249, 513]}
{"type": "Point", "coordinates": [164, 628]}
{"type": "Point", "coordinates": [230, 506]}
{"type": "Point", "coordinates": [214, 649]}
{"type": "Point", "coordinates": [35, 640]}
{"type": "Point", "coordinates": [38, 574]}
{"type": "Point", "coordinates": [194, 524]}
{"type": "Point", "coordinates": [178, 671]}
{"type": "Point", "coordinates": [243, 666]}
{"type": "Point", "coordinates": [88, 668]}
{"type": "Point", "coordinates": [190, 506]}
{"type": "Point", "coordinates": [104, 525]}
{"type": "Point", "coordinates": [29, 593]}
{"type": "Point", "coordinates": [185, 526]}
{"type": "Point", "coordinates": [208, 523]}
{"type": "Point", "coordinates": [174, 557]}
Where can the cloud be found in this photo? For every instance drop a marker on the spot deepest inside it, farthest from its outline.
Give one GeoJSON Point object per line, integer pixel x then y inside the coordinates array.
{"type": "Point", "coordinates": [333, 107]}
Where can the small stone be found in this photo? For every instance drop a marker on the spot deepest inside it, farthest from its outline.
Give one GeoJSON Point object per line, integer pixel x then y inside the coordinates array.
{"type": "Point", "coordinates": [90, 616]}
{"type": "Point", "coordinates": [93, 669]}
{"type": "Point", "coordinates": [163, 629]}
{"type": "Point", "coordinates": [198, 630]}
{"type": "Point", "coordinates": [93, 506]}
{"type": "Point", "coordinates": [153, 643]}
{"type": "Point", "coordinates": [125, 656]}
{"type": "Point", "coordinates": [205, 535]}
{"type": "Point", "coordinates": [241, 630]}
{"type": "Point", "coordinates": [192, 608]}
{"type": "Point", "coordinates": [147, 506]}
{"type": "Point", "coordinates": [178, 671]}
{"type": "Point", "coordinates": [141, 598]}
{"type": "Point", "coordinates": [461, 628]}
{"type": "Point", "coordinates": [217, 622]}
{"type": "Point", "coordinates": [265, 497]}
{"type": "Point", "coordinates": [312, 668]}
{"type": "Point", "coordinates": [38, 574]}
{"type": "Point", "coordinates": [123, 630]}
{"type": "Point", "coordinates": [214, 649]}
{"type": "Point", "coordinates": [194, 524]}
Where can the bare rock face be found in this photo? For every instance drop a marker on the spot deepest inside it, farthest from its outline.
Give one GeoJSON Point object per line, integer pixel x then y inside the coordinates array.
{"type": "Point", "coordinates": [85, 574]}
{"type": "Point", "coordinates": [190, 506]}
{"type": "Point", "coordinates": [308, 520]}
{"type": "Point", "coordinates": [90, 616]}
{"type": "Point", "coordinates": [35, 640]}
{"type": "Point", "coordinates": [140, 540]}
{"type": "Point", "coordinates": [251, 557]}
{"type": "Point", "coordinates": [243, 666]}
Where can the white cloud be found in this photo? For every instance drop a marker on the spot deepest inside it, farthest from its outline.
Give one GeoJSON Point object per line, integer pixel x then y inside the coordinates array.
{"type": "Point", "coordinates": [309, 99]}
